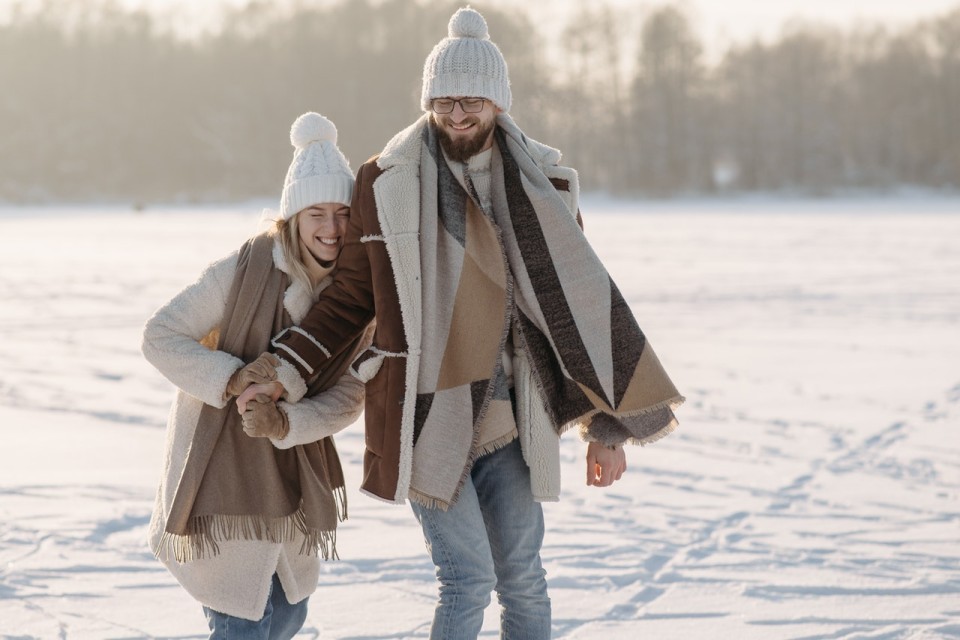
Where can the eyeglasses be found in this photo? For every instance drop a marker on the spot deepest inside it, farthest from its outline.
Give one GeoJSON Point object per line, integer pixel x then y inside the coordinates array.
{"type": "Point", "coordinates": [444, 106]}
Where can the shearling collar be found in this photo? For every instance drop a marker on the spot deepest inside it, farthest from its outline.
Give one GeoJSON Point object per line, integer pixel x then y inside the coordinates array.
{"type": "Point", "coordinates": [297, 299]}
{"type": "Point", "coordinates": [404, 148]}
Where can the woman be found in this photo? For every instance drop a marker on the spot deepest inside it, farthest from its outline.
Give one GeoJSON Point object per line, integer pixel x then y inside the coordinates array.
{"type": "Point", "coordinates": [248, 503]}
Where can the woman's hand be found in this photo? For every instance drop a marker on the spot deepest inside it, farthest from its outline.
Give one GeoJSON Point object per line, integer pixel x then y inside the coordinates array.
{"type": "Point", "coordinates": [271, 389]}
{"type": "Point", "coordinates": [260, 371]}
{"type": "Point", "coordinates": [264, 419]}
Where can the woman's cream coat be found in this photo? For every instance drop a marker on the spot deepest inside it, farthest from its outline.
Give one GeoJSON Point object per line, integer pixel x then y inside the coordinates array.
{"type": "Point", "coordinates": [237, 581]}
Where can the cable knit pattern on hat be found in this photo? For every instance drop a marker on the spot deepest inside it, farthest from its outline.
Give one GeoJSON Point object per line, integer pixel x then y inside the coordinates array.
{"type": "Point", "coordinates": [466, 63]}
{"type": "Point", "coordinates": [319, 172]}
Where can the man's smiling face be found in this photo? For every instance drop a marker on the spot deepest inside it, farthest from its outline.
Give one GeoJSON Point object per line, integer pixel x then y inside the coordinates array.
{"type": "Point", "coordinates": [462, 134]}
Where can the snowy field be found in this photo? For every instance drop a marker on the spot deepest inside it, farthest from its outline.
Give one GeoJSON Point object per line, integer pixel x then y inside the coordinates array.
{"type": "Point", "coordinates": [812, 490]}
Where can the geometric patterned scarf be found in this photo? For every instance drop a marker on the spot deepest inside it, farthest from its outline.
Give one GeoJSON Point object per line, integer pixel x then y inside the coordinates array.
{"type": "Point", "coordinates": [466, 310]}
{"type": "Point", "coordinates": [591, 361]}
{"type": "Point", "coordinates": [530, 266]}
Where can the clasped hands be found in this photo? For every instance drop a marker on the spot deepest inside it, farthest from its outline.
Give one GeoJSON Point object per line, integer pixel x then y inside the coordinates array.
{"type": "Point", "coordinates": [257, 393]}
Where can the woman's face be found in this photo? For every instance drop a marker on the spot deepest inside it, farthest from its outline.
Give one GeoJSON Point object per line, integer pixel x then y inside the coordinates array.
{"type": "Point", "coordinates": [322, 228]}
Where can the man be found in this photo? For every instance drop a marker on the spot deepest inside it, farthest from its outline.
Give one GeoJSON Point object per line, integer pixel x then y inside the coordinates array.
{"type": "Point", "coordinates": [497, 329]}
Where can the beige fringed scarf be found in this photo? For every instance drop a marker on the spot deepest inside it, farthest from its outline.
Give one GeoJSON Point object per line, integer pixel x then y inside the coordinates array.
{"type": "Point", "coordinates": [235, 487]}
{"type": "Point", "coordinates": [529, 267]}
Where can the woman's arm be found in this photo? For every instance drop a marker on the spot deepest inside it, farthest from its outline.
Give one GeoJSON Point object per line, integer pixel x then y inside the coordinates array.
{"type": "Point", "coordinates": [171, 338]}
{"type": "Point", "coordinates": [323, 414]}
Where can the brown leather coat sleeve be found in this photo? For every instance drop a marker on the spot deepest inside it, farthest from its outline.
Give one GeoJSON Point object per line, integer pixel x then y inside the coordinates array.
{"type": "Point", "coordinates": [346, 307]}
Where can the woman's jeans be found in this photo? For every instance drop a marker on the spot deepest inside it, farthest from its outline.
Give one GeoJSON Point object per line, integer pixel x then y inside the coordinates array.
{"type": "Point", "coordinates": [489, 540]}
{"type": "Point", "coordinates": [281, 620]}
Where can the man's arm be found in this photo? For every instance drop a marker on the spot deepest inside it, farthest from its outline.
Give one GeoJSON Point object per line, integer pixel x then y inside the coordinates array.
{"type": "Point", "coordinates": [345, 307]}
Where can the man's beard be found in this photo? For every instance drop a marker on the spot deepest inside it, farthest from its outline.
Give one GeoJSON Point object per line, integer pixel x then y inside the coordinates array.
{"type": "Point", "coordinates": [463, 148]}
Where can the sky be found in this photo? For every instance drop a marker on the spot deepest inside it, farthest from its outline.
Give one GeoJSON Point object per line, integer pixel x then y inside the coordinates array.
{"type": "Point", "coordinates": [745, 19]}
{"type": "Point", "coordinates": [719, 22]}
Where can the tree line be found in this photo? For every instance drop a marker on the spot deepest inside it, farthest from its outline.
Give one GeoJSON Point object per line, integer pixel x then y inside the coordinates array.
{"type": "Point", "coordinates": [99, 103]}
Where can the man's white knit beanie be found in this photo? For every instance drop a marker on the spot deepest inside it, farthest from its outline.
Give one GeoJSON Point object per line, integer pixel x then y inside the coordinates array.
{"type": "Point", "coordinates": [319, 173]}
{"type": "Point", "coordinates": [466, 63]}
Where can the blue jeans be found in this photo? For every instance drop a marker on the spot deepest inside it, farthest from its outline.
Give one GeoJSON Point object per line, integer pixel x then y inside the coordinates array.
{"type": "Point", "coordinates": [281, 620]}
{"type": "Point", "coordinates": [489, 540]}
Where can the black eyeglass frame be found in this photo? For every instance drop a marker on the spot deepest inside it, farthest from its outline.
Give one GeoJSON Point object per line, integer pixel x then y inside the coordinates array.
{"type": "Point", "coordinates": [454, 103]}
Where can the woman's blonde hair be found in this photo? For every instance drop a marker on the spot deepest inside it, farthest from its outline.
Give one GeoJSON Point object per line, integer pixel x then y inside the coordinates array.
{"type": "Point", "coordinates": [289, 233]}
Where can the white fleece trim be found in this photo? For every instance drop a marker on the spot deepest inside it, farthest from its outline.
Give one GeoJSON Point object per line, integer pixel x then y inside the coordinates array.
{"type": "Point", "coordinates": [389, 354]}
{"type": "Point", "coordinates": [289, 377]}
{"type": "Point", "coordinates": [279, 260]}
{"type": "Point", "coordinates": [298, 299]}
{"type": "Point", "coordinates": [570, 198]}
{"type": "Point", "coordinates": [376, 497]}
{"type": "Point", "coordinates": [403, 148]}
{"type": "Point", "coordinates": [366, 370]}
{"type": "Point", "coordinates": [293, 354]}
{"type": "Point", "coordinates": [539, 441]}
{"type": "Point", "coordinates": [372, 238]}
{"type": "Point", "coordinates": [315, 342]}
{"type": "Point", "coordinates": [410, 295]}
{"type": "Point", "coordinates": [397, 195]}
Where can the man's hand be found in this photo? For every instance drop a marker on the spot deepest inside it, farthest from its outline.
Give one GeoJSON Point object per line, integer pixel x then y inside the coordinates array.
{"type": "Point", "coordinates": [264, 419]}
{"type": "Point", "coordinates": [604, 465]}
{"type": "Point", "coordinates": [260, 371]}
{"type": "Point", "coordinates": [271, 390]}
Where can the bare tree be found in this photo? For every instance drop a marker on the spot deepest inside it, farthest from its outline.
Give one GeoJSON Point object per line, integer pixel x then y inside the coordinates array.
{"type": "Point", "coordinates": [99, 103]}
{"type": "Point", "coordinates": [664, 100]}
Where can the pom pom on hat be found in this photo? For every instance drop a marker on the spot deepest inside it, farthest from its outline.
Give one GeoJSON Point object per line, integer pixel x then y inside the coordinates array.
{"type": "Point", "coordinates": [319, 173]}
{"type": "Point", "coordinates": [468, 23]}
{"type": "Point", "coordinates": [312, 127]}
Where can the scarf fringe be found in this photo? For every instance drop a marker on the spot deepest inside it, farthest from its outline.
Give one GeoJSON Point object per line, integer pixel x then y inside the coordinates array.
{"type": "Point", "coordinates": [320, 543]}
{"type": "Point", "coordinates": [205, 532]}
{"type": "Point", "coordinates": [431, 502]}
{"type": "Point", "coordinates": [670, 403]}
{"type": "Point", "coordinates": [340, 497]}
{"type": "Point", "coordinates": [498, 444]}
{"type": "Point", "coordinates": [659, 435]}
{"type": "Point", "coordinates": [428, 502]}
{"type": "Point", "coordinates": [666, 430]}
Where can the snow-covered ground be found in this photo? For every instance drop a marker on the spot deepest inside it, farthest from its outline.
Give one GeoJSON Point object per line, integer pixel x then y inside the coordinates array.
{"type": "Point", "coordinates": [812, 491]}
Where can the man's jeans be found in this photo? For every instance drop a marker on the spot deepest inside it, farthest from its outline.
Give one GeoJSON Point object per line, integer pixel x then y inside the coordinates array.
{"type": "Point", "coordinates": [489, 539]}
{"type": "Point", "coordinates": [281, 620]}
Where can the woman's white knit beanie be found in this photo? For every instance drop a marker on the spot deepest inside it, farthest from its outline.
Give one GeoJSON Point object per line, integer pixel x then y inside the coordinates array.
{"type": "Point", "coordinates": [466, 63]}
{"type": "Point", "coordinates": [319, 173]}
